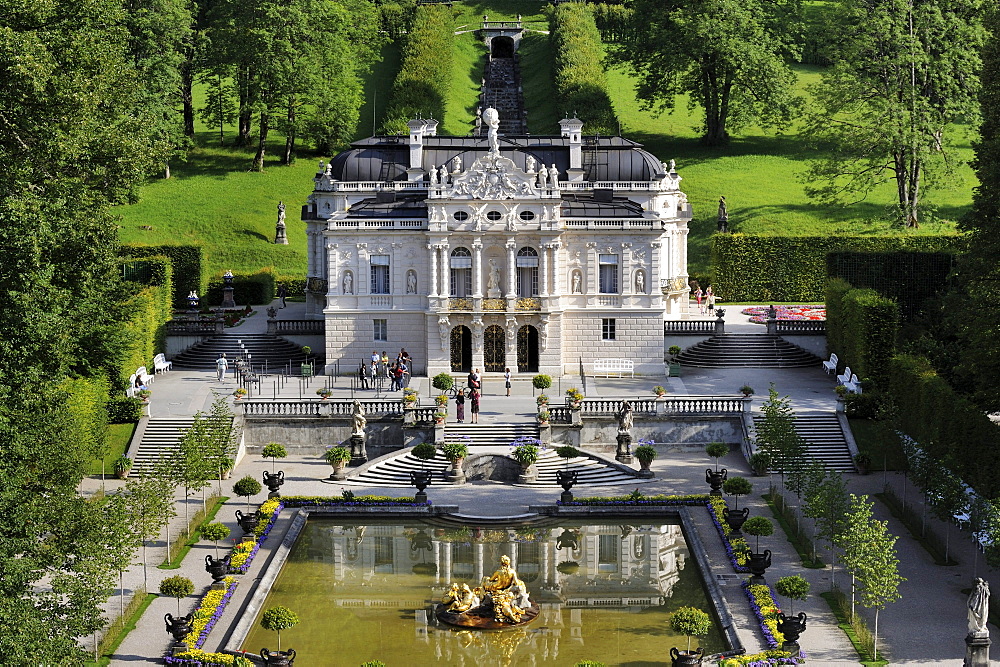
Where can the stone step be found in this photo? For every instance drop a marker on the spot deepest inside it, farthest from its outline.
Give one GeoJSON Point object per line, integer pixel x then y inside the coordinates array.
{"type": "Point", "coordinates": [161, 438]}
{"type": "Point", "coordinates": [824, 440]}
{"type": "Point", "coordinates": [747, 350]}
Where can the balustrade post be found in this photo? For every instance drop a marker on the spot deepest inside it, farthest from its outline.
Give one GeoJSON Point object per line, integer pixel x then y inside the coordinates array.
{"type": "Point", "coordinates": [409, 415]}
{"type": "Point", "coordinates": [746, 404]}
{"type": "Point", "coordinates": [661, 407]}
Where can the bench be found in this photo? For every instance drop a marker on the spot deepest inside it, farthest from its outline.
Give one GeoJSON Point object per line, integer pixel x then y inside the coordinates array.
{"type": "Point", "coordinates": [854, 384]}
{"type": "Point", "coordinates": [161, 364]}
{"type": "Point", "coordinates": [614, 368]}
{"type": "Point", "coordinates": [144, 377]}
{"type": "Point", "coordinates": [831, 365]}
{"type": "Point", "coordinates": [130, 390]}
{"type": "Point", "coordinates": [845, 377]}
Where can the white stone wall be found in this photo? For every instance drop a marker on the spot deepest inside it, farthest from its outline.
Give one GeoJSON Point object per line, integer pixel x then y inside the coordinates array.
{"type": "Point", "coordinates": [638, 337]}
{"type": "Point", "coordinates": [349, 338]}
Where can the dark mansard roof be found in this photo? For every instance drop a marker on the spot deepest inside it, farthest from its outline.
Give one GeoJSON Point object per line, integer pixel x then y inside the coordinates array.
{"type": "Point", "coordinates": [604, 158]}
{"type": "Point", "coordinates": [389, 207]}
{"type": "Point", "coordinates": [596, 206]}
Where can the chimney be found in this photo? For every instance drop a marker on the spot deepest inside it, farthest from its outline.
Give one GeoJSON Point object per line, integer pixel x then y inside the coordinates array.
{"type": "Point", "coordinates": [430, 127]}
{"type": "Point", "coordinates": [572, 129]}
{"type": "Point", "coordinates": [416, 169]}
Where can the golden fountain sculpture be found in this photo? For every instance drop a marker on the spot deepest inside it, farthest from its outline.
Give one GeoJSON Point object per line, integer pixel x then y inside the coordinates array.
{"type": "Point", "coordinates": [500, 602]}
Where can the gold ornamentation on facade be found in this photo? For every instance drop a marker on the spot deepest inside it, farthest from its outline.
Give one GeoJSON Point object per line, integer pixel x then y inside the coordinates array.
{"type": "Point", "coordinates": [528, 303]}
{"type": "Point", "coordinates": [494, 304]}
{"type": "Point", "coordinates": [460, 304]}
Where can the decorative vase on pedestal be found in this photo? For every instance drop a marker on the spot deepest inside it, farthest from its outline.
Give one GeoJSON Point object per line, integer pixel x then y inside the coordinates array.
{"type": "Point", "coordinates": [791, 627]}
{"type": "Point", "coordinates": [758, 564]}
{"type": "Point", "coordinates": [686, 658]}
{"type": "Point", "coordinates": [248, 522]}
{"type": "Point", "coordinates": [716, 480]}
{"type": "Point", "coordinates": [566, 479]}
{"type": "Point", "coordinates": [455, 474]}
{"type": "Point", "coordinates": [274, 482]}
{"type": "Point", "coordinates": [179, 628]}
{"type": "Point", "coordinates": [217, 567]}
{"type": "Point", "coordinates": [278, 658]}
{"type": "Point", "coordinates": [736, 519]}
{"type": "Point", "coordinates": [527, 475]}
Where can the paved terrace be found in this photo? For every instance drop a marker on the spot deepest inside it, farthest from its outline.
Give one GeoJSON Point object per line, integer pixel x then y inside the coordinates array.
{"type": "Point", "coordinates": [926, 627]}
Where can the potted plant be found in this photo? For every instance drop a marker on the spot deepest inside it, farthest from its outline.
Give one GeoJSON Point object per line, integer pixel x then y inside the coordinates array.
{"type": "Point", "coordinates": [440, 417]}
{"type": "Point", "coordinates": [443, 381]}
{"type": "Point", "coordinates": [793, 588]}
{"type": "Point", "coordinates": [660, 391]}
{"type": "Point", "coordinates": [673, 351]}
{"type": "Point", "coordinates": [746, 390]}
{"type": "Point", "coordinates": [645, 454]}
{"type": "Point", "coordinates": [144, 395]}
{"type": "Point", "coordinates": [176, 587]}
{"type": "Point", "coordinates": [215, 532]}
{"type": "Point", "coordinates": [337, 457]}
{"type": "Point", "coordinates": [759, 526]}
{"type": "Point", "coordinates": [736, 487]}
{"type": "Point", "coordinates": [574, 397]}
{"type": "Point", "coordinates": [759, 463]}
{"type": "Point", "coordinates": [226, 467]}
{"type": "Point", "coordinates": [122, 465]}
{"type": "Point", "coordinates": [543, 417]}
{"type": "Point", "coordinates": [526, 453]}
{"type": "Point", "coordinates": [239, 393]}
{"type": "Point", "coordinates": [673, 366]}
{"type": "Point", "coordinates": [455, 452]}
{"type": "Point", "coordinates": [863, 463]}
{"type": "Point", "coordinates": [324, 392]}
{"type": "Point", "coordinates": [425, 451]}
{"type": "Point", "coordinates": [690, 622]}
{"type": "Point", "coordinates": [716, 450]}
{"type": "Point", "coordinates": [277, 619]}
{"type": "Point", "coordinates": [541, 381]}
{"type": "Point", "coordinates": [567, 452]}
{"type": "Point", "coordinates": [840, 390]}
{"type": "Point", "coordinates": [542, 400]}
{"type": "Point", "coordinates": [273, 451]}
{"type": "Point", "coordinates": [410, 397]}
{"type": "Point", "coordinates": [441, 400]}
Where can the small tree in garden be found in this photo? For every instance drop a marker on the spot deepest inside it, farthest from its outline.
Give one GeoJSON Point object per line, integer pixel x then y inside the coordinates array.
{"type": "Point", "coordinates": [793, 588]}
{"type": "Point", "coordinates": [177, 587]}
{"type": "Point", "coordinates": [247, 487]}
{"type": "Point", "coordinates": [566, 452]}
{"type": "Point", "coordinates": [215, 532]}
{"type": "Point", "coordinates": [443, 381]}
{"type": "Point", "coordinates": [425, 451]}
{"type": "Point", "coordinates": [691, 622]}
{"type": "Point", "coordinates": [277, 619]}
{"type": "Point", "coordinates": [274, 450]}
{"type": "Point", "coordinates": [541, 381]}
{"type": "Point", "coordinates": [736, 487]}
{"type": "Point", "coordinates": [717, 450]}
{"type": "Point", "coordinates": [775, 433]}
{"type": "Point", "coordinates": [759, 527]}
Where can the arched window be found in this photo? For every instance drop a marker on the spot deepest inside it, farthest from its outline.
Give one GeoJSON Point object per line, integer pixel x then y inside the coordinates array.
{"type": "Point", "coordinates": [461, 272]}
{"type": "Point", "coordinates": [527, 272]}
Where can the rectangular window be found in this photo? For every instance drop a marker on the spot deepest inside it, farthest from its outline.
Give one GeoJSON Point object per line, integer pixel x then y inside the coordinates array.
{"type": "Point", "coordinates": [461, 282]}
{"type": "Point", "coordinates": [381, 329]}
{"type": "Point", "coordinates": [608, 329]}
{"type": "Point", "coordinates": [380, 274]}
{"type": "Point", "coordinates": [608, 265]}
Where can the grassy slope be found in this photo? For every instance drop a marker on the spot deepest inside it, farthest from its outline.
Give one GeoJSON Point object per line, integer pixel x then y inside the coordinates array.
{"type": "Point", "coordinates": [463, 96]}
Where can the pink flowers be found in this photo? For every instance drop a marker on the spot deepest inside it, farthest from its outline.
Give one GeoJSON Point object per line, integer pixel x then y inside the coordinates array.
{"type": "Point", "coordinates": [758, 314]}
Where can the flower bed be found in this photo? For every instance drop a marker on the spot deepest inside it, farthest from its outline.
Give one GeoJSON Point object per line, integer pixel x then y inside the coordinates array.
{"type": "Point", "coordinates": [352, 501]}
{"type": "Point", "coordinates": [197, 657]}
{"type": "Point", "coordinates": [209, 611]}
{"type": "Point", "coordinates": [764, 659]}
{"type": "Point", "coordinates": [637, 499]}
{"type": "Point", "coordinates": [758, 314]}
{"type": "Point", "coordinates": [737, 549]}
{"type": "Point", "coordinates": [764, 606]}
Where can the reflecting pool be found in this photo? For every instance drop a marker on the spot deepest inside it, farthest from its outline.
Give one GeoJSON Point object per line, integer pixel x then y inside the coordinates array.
{"type": "Point", "coordinates": [368, 592]}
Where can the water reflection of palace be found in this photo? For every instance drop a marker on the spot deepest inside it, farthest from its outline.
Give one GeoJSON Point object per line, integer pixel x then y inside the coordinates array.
{"type": "Point", "coordinates": [567, 570]}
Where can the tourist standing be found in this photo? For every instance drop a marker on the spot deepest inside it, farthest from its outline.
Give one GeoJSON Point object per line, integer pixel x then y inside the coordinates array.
{"type": "Point", "coordinates": [710, 300]}
{"type": "Point", "coordinates": [506, 379]}
{"type": "Point", "coordinates": [474, 396]}
{"type": "Point", "coordinates": [697, 299]}
{"type": "Point", "coordinates": [221, 366]}
{"type": "Point", "coordinates": [282, 293]}
{"type": "Point", "coordinates": [373, 374]}
{"type": "Point", "coordinates": [474, 380]}
{"type": "Point", "coordinates": [363, 375]}
{"type": "Point", "coordinates": [460, 406]}
{"type": "Point", "coordinates": [385, 363]}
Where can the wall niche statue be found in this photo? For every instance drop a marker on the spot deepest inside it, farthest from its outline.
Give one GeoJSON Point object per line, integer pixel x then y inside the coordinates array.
{"type": "Point", "coordinates": [576, 282]}
{"type": "Point", "coordinates": [348, 282]}
{"type": "Point", "coordinates": [640, 282]}
{"type": "Point", "coordinates": [411, 282]}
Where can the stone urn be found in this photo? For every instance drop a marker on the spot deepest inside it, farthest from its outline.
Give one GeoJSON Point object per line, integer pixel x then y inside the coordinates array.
{"type": "Point", "coordinates": [339, 470]}
{"type": "Point", "coordinates": [455, 474]}
{"type": "Point", "coordinates": [791, 627]}
{"type": "Point", "coordinates": [178, 627]}
{"type": "Point", "coordinates": [566, 479]}
{"type": "Point", "coordinates": [278, 658]}
{"type": "Point", "coordinates": [680, 658]}
{"type": "Point", "coordinates": [758, 564]}
{"type": "Point", "coordinates": [420, 479]}
{"type": "Point", "coordinates": [736, 519]}
{"type": "Point", "coordinates": [716, 480]}
{"type": "Point", "coordinates": [527, 475]}
{"type": "Point", "coordinates": [217, 567]}
{"type": "Point", "coordinates": [274, 482]}
{"type": "Point", "coordinates": [248, 522]}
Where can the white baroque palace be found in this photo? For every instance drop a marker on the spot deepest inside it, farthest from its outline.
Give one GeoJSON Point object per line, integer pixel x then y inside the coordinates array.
{"type": "Point", "coordinates": [536, 253]}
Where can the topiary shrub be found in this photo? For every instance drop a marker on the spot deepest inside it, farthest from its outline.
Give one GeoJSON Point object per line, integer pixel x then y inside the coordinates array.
{"type": "Point", "coordinates": [177, 587]}
{"type": "Point", "coordinates": [759, 527]}
{"type": "Point", "coordinates": [277, 619]}
{"type": "Point", "coordinates": [736, 487]}
{"type": "Point", "coordinates": [425, 451]}
{"type": "Point", "coordinates": [443, 381]}
{"type": "Point", "coordinates": [717, 450]}
{"type": "Point", "coordinates": [541, 381]}
{"type": "Point", "coordinates": [794, 588]}
{"type": "Point", "coordinates": [273, 451]}
{"type": "Point", "coordinates": [247, 487]}
{"type": "Point", "coordinates": [691, 622]}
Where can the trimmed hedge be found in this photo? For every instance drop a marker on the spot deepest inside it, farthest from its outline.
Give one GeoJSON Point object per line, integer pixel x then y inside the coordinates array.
{"type": "Point", "coordinates": [793, 268]}
{"type": "Point", "coordinates": [248, 288]}
{"type": "Point", "coordinates": [864, 332]}
{"type": "Point", "coordinates": [421, 87]}
{"type": "Point", "coordinates": [150, 271]}
{"type": "Point", "coordinates": [835, 291]}
{"type": "Point", "coordinates": [580, 81]}
{"type": "Point", "coordinates": [124, 410]}
{"type": "Point", "coordinates": [187, 261]}
{"type": "Point", "coordinates": [85, 403]}
{"type": "Point", "coordinates": [147, 313]}
{"type": "Point", "coordinates": [947, 426]}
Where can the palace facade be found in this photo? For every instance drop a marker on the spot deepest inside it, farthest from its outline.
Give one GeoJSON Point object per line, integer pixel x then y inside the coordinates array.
{"type": "Point", "coordinates": [534, 253]}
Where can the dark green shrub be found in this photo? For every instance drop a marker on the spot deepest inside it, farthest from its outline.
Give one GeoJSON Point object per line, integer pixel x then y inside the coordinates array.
{"type": "Point", "coordinates": [187, 262]}
{"type": "Point", "coordinates": [124, 410]}
{"type": "Point", "coordinates": [863, 326]}
{"type": "Point", "coordinates": [248, 288]}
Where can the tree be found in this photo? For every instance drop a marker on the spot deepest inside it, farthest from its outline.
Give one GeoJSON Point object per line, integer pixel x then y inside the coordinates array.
{"type": "Point", "coordinates": [277, 619]}
{"type": "Point", "coordinates": [904, 72]}
{"type": "Point", "coordinates": [223, 437]}
{"type": "Point", "coordinates": [717, 450]}
{"type": "Point", "coordinates": [793, 588]}
{"type": "Point", "coordinates": [149, 510]}
{"type": "Point", "coordinates": [726, 55]}
{"type": "Point", "coordinates": [827, 504]}
{"type": "Point", "coordinates": [215, 532]}
{"type": "Point", "coordinates": [177, 587]}
{"type": "Point", "coordinates": [194, 465]}
{"type": "Point", "coordinates": [736, 487]}
{"type": "Point", "coordinates": [979, 324]}
{"type": "Point", "coordinates": [775, 433]}
{"type": "Point", "coordinates": [274, 450]}
{"type": "Point", "coordinates": [247, 487]}
{"type": "Point", "coordinates": [759, 527]}
{"type": "Point", "coordinates": [948, 499]}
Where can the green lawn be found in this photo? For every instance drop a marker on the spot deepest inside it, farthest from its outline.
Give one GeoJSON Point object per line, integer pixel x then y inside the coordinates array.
{"type": "Point", "coordinates": [118, 437]}
{"type": "Point", "coordinates": [463, 96]}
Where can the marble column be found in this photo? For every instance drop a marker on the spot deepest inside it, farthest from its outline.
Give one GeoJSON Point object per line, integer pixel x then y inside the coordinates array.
{"type": "Point", "coordinates": [511, 270]}
{"type": "Point", "coordinates": [544, 287]}
{"type": "Point", "coordinates": [434, 269]}
{"type": "Point", "coordinates": [444, 288]}
{"type": "Point", "coordinates": [477, 270]}
{"type": "Point", "coordinates": [477, 563]}
{"type": "Point", "coordinates": [333, 280]}
{"type": "Point", "coordinates": [557, 268]}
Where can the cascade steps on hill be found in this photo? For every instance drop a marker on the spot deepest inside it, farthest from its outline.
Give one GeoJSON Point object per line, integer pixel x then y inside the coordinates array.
{"type": "Point", "coordinates": [734, 350]}
{"type": "Point", "coordinates": [272, 352]}
{"type": "Point", "coordinates": [162, 437]}
{"type": "Point", "coordinates": [492, 439]}
{"type": "Point", "coordinates": [824, 439]}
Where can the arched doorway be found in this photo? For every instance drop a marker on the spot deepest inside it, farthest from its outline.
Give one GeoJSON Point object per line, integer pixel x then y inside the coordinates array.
{"type": "Point", "coordinates": [502, 47]}
{"type": "Point", "coordinates": [461, 350]}
{"type": "Point", "coordinates": [527, 349]}
{"type": "Point", "coordinates": [494, 349]}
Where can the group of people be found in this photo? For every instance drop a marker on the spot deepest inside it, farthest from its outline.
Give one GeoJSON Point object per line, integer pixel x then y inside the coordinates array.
{"type": "Point", "coordinates": [705, 299]}
{"type": "Point", "coordinates": [378, 366]}
{"type": "Point", "coordinates": [473, 391]}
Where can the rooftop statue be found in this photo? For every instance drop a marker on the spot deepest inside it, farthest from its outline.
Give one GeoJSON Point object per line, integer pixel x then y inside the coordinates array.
{"type": "Point", "coordinates": [492, 118]}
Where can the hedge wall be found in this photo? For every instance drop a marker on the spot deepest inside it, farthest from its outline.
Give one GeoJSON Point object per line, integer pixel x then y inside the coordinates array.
{"type": "Point", "coordinates": [85, 402]}
{"type": "Point", "coordinates": [946, 425]}
{"type": "Point", "coordinates": [146, 313]}
{"type": "Point", "coordinates": [248, 288]}
{"type": "Point", "coordinates": [421, 87]}
{"type": "Point", "coordinates": [868, 333]}
{"type": "Point", "coordinates": [187, 263]}
{"type": "Point", "coordinates": [148, 271]}
{"type": "Point", "coordinates": [613, 21]}
{"type": "Point", "coordinates": [581, 84]}
{"type": "Point", "coordinates": [793, 268]}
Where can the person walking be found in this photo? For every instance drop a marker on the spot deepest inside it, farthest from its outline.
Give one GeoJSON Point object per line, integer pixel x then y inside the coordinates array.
{"type": "Point", "coordinates": [363, 375]}
{"type": "Point", "coordinates": [282, 293]}
{"type": "Point", "coordinates": [697, 299]}
{"type": "Point", "coordinates": [710, 300]}
{"type": "Point", "coordinates": [221, 366]}
{"type": "Point", "coordinates": [474, 397]}
{"type": "Point", "coordinates": [506, 379]}
{"type": "Point", "coordinates": [460, 406]}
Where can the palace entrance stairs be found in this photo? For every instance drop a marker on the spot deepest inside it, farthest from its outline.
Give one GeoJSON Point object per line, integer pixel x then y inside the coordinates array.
{"type": "Point", "coordinates": [161, 437]}
{"type": "Point", "coordinates": [268, 354]}
{"type": "Point", "coordinates": [825, 440]}
{"type": "Point", "coordinates": [747, 350]}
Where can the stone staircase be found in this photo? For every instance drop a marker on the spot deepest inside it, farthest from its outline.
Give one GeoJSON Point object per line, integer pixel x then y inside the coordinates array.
{"type": "Point", "coordinates": [824, 440]}
{"type": "Point", "coordinates": [276, 354]}
{"type": "Point", "coordinates": [502, 90]}
{"type": "Point", "coordinates": [747, 350]}
{"type": "Point", "coordinates": [161, 437]}
{"type": "Point", "coordinates": [488, 435]}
